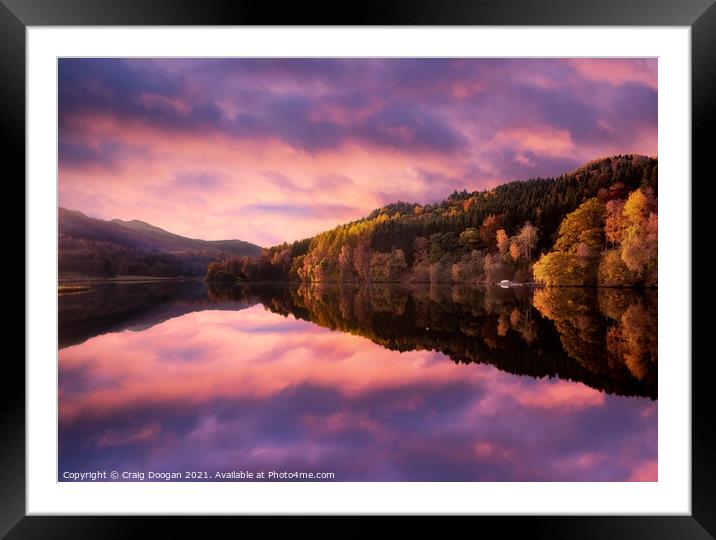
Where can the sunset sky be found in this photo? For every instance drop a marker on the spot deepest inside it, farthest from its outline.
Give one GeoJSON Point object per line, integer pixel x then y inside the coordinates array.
{"type": "Point", "coordinates": [268, 150]}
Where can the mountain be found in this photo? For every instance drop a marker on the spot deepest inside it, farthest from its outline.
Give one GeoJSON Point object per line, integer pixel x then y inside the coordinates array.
{"type": "Point", "coordinates": [141, 234]}
{"type": "Point", "coordinates": [484, 235]}
{"type": "Point", "coordinates": [170, 242]}
{"type": "Point", "coordinates": [105, 248]}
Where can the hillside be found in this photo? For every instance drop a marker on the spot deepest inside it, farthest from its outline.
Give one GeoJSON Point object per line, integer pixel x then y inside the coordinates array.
{"type": "Point", "coordinates": [469, 236]}
{"type": "Point", "coordinates": [105, 248]}
{"type": "Point", "coordinates": [170, 242]}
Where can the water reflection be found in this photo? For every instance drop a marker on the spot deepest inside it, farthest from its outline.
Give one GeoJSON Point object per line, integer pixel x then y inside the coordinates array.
{"type": "Point", "coordinates": [604, 338]}
{"type": "Point", "coordinates": [267, 377]}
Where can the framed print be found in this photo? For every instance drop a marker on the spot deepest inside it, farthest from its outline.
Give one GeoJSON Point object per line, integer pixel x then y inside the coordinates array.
{"type": "Point", "coordinates": [404, 267]}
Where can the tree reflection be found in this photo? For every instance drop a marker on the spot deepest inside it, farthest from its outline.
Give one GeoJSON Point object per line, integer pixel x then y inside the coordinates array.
{"type": "Point", "coordinates": [616, 325]}
{"type": "Point", "coordinates": [632, 335]}
{"type": "Point", "coordinates": [604, 338]}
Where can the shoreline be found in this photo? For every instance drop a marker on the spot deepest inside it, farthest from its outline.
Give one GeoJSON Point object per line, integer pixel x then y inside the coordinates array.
{"type": "Point", "coordinates": [531, 286]}
{"type": "Point", "coordinates": [67, 280]}
{"type": "Point", "coordinates": [81, 280]}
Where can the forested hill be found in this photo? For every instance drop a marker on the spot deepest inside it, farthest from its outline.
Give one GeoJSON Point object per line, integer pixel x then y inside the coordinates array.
{"type": "Point", "coordinates": [451, 240]}
{"type": "Point", "coordinates": [95, 247]}
{"type": "Point", "coordinates": [542, 201]}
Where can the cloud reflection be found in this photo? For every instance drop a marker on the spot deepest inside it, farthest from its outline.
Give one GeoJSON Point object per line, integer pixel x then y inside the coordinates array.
{"type": "Point", "coordinates": [224, 390]}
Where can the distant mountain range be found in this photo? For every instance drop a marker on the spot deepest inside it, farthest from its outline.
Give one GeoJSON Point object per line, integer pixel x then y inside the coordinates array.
{"type": "Point", "coordinates": [97, 247]}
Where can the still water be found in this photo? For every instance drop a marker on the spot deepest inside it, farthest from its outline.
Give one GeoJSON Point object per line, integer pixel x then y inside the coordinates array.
{"type": "Point", "coordinates": [366, 383]}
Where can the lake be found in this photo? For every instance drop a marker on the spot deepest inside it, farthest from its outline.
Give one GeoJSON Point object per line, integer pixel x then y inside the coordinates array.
{"type": "Point", "coordinates": [175, 380]}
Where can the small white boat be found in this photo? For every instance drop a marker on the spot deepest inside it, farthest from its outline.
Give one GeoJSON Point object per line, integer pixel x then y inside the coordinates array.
{"type": "Point", "coordinates": [505, 283]}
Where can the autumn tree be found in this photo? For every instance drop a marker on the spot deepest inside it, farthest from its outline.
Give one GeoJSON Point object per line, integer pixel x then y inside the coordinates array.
{"type": "Point", "coordinates": [213, 271]}
{"type": "Point", "coordinates": [469, 269]}
{"type": "Point", "coordinates": [503, 243]}
{"type": "Point", "coordinates": [440, 270]}
{"type": "Point", "coordinates": [639, 205]}
{"type": "Point", "coordinates": [397, 264]}
{"type": "Point", "coordinates": [640, 237]}
{"type": "Point", "coordinates": [488, 231]}
{"type": "Point", "coordinates": [515, 249]}
{"type": "Point", "coordinates": [574, 260]}
{"type": "Point", "coordinates": [421, 263]}
{"type": "Point", "coordinates": [345, 264]}
{"type": "Point", "coordinates": [613, 272]}
{"type": "Point", "coordinates": [615, 223]}
{"type": "Point", "coordinates": [435, 249]}
{"type": "Point", "coordinates": [527, 239]}
{"type": "Point", "coordinates": [387, 267]}
{"type": "Point", "coordinates": [583, 226]}
{"type": "Point", "coordinates": [495, 269]}
{"type": "Point", "coordinates": [565, 269]}
{"type": "Point", "coordinates": [296, 267]}
{"type": "Point", "coordinates": [361, 260]}
{"type": "Point", "coordinates": [470, 238]}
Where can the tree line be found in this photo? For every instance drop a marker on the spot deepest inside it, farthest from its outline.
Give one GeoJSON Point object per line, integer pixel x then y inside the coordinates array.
{"type": "Point", "coordinates": [483, 236]}
{"type": "Point", "coordinates": [610, 243]}
{"type": "Point", "coordinates": [109, 259]}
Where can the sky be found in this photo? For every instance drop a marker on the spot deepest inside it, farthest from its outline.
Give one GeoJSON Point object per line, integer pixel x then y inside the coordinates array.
{"type": "Point", "coordinates": [273, 150]}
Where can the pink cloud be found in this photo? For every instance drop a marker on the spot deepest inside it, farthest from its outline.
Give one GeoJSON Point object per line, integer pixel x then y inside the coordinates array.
{"type": "Point", "coordinates": [618, 71]}
{"type": "Point", "coordinates": [196, 356]}
{"type": "Point", "coordinates": [144, 434]}
{"type": "Point", "coordinates": [129, 129]}
{"type": "Point", "coordinates": [645, 472]}
{"type": "Point", "coordinates": [544, 140]}
{"type": "Point", "coordinates": [562, 395]}
{"type": "Point", "coordinates": [146, 189]}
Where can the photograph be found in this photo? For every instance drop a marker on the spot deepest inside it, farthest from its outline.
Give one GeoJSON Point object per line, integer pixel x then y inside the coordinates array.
{"type": "Point", "coordinates": [357, 269]}
{"type": "Point", "coordinates": [395, 261]}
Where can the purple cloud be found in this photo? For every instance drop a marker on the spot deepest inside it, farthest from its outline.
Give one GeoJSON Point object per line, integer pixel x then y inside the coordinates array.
{"type": "Point", "coordinates": [288, 128]}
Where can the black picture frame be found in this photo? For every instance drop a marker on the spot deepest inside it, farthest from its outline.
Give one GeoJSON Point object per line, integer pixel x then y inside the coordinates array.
{"type": "Point", "coordinates": [699, 15]}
